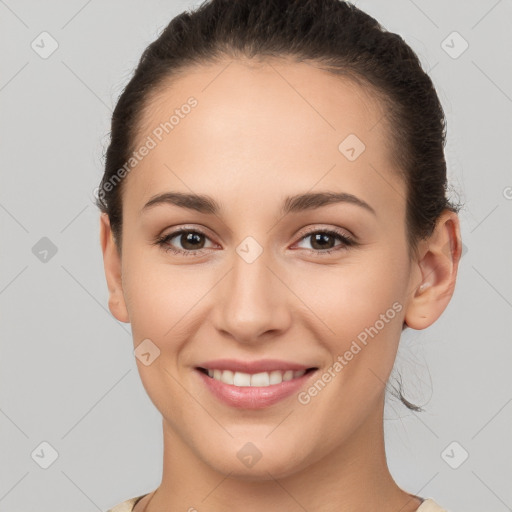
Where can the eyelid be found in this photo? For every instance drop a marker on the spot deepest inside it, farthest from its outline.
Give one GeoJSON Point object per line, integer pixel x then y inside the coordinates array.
{"type": "Point", "coordinates": [179, 230]}
{"type": "Point", "coordinates": [347, 239]}
{"type": "Point", "coordinates": [339, 231]}
{"type": "Point", "coordinates": [176, 230]}
{"type": "Point", "coordinates": [310, 230]}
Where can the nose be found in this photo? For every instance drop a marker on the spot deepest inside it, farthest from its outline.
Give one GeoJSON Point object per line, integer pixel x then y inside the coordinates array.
{"type": "Point", "coordinates": [253, 301]}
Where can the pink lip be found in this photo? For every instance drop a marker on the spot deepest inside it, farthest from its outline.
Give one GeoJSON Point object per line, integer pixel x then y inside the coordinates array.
{"type": "Point", "coordinates": [248, 397]}
{"type": "Point", "coordinates": [262, 365]}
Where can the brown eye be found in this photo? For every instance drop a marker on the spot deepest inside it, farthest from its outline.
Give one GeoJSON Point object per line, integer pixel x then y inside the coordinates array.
{"type": "Point", "coordinates": [191, 241]}
{"type": "Point", "coordinates": [324, 241]}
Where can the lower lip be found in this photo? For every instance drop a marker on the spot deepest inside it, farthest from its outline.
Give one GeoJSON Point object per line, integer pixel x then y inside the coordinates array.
{"type": "Point", "coordinates": [248, 397]}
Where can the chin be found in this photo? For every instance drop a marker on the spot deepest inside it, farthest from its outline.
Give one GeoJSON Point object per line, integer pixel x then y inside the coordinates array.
{"type": "Point", "coordinates": [261, 468]}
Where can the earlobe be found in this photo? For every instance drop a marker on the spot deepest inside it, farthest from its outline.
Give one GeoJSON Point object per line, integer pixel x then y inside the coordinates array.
{"type": "Point", "coordinates": [437, 271]}
{"type": "Point", "coordinates": [112, 266]}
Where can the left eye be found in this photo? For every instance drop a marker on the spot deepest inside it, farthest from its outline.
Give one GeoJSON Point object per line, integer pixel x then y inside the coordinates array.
{"type": "Point", "coordinates": [323, 238]}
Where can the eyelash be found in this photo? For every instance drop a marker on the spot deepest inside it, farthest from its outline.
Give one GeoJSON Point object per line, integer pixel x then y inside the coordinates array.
{"type": "Point", "coordinates": [347, 242]}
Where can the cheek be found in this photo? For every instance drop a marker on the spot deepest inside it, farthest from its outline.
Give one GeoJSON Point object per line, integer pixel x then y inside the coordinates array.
{"type": "Point", "coordinates": [162, 299]}
{"type": "Point", "coordinates": [358, 321]}
{"type": "Point", "coordinates": [354, 293]}
{"type": "Point", "coordinates": [344, 300]}
{"type": "Point", "coordinates": [358, 304]}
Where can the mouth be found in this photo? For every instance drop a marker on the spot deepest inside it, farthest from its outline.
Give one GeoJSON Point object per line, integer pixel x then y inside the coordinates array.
{"type": "Point", "coordinates": [260, 379]}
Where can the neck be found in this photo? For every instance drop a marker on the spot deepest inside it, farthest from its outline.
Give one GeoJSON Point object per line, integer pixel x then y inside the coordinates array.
{"type": "Point", "coordinates": [353, 477]}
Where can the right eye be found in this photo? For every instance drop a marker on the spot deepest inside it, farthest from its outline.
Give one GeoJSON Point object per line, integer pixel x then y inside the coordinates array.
{"type": "Point", "coordinates": [189, 238]}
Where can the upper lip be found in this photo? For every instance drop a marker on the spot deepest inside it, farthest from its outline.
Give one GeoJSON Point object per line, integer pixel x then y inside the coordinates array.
{"type": "Point", "coordinates": [262, 365]}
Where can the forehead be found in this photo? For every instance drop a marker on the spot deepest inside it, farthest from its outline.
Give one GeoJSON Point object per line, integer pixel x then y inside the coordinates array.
{"type": "Point", "coordinates": [289, 125]}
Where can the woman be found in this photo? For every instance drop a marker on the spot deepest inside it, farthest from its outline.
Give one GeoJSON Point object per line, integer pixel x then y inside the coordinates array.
{"type": "Point", "coordinates": [273, 217]}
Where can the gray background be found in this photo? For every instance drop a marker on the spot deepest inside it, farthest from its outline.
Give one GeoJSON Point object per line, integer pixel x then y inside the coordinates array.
{"type": "Point", "coordinates": [67, 371]}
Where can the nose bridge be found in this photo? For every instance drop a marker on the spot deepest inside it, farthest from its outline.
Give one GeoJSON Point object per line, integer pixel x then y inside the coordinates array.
{"type": "Point", "coordinates": [252, 299]}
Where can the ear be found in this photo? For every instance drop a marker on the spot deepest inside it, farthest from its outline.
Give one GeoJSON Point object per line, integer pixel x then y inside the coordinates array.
{"type": "Point", "coordinates": [112, 265]}
{"type": "Point", "coordinates": [436, 273]}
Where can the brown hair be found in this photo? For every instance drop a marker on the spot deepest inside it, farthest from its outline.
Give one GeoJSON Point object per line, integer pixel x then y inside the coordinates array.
{"type": "Point", "coordinates": [335, 36]}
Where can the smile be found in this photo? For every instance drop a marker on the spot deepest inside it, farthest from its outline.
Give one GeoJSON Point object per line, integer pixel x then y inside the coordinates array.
{"type": "Point", "coordinates": [254, 390]}
{"type": "Point", "coordinates": [262, 379]}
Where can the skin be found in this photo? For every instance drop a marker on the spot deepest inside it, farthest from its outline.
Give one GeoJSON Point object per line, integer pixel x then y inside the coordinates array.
{"type": "Point", "coordinates": [259, 133]}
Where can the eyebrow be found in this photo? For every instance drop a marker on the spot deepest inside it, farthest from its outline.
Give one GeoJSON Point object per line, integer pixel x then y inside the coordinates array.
{"type": "Point", "coordinates": [292, 204]}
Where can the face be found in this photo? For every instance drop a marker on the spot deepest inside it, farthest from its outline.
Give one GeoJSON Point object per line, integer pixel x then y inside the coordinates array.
{"type": "Point", "coordinates": [320, 284]}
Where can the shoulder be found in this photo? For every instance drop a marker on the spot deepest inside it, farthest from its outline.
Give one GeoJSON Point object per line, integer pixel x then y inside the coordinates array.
{"type": "Point", "coordinates": [127, 506]}
{"type": "Point", "coordinates": [429, 505]}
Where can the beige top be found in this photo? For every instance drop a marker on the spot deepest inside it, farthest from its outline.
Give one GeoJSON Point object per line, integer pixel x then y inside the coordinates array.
{"type": "Point", "coordinates": [428, 505]}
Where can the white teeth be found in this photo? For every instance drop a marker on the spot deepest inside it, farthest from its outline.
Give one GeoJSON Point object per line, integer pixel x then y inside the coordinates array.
{"type": "Point", "coordinates": [226, 376]}
{"type": "Point", "coordinates": [275, 377]}
{"type": "Point", "coordinates": [262, 379]}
